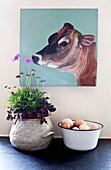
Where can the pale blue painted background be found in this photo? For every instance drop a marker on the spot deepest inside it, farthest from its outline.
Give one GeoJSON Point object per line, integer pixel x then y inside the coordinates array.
{"type": "Point", "coordinates": [36, 25]}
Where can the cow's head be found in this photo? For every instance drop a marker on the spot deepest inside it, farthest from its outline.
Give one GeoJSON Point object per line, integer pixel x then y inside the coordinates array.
{"type": "Point", "coordinates": [63, 48]}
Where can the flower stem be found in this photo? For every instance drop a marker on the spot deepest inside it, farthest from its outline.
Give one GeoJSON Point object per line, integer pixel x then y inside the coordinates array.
{"type": "Point", "coordinates": [29, 81]}
{"type": "Point", "coordinates": [37, 82]}
{"type": "Point", "coordinates": [26, 81]}
{"type": "Point", "coordinates": [29, 68]}
{"type": "Point", "coordinates": [32, 79]}
{"type": "Point", "coordinates": [42, 81]}
{"type": "Point", "coordinates": [43, 86]}
{"type": "Point", "coordinates": [22, 67]}
{"type": "Point", "coordinates": [21, 80]}
{"type": "Point", "coordinates": [29, 74]}
{"type": "Point", "coordinates": [23, 71]}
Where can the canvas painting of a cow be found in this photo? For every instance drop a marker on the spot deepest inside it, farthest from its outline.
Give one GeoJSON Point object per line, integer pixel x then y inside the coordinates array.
{"type": "Point", "coordinates": [68, 50]}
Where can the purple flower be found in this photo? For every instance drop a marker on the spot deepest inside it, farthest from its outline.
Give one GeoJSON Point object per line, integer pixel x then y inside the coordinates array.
{"type": "Point", "coordinates": [21, 73]}
{"type": "Point", "coordinates": [42, 81]}
{"type": "Point", "coordinates": [16, 57]}
{"type": "Point", "coordinates": [28, 60]}
{"type": "Point", "coordinates": [27, 75]}
{"type": "Point", "coordinates": [18, 76]}
{"type": "Point", "coordinates": [6, 87]}
{"type": "Point", "coordinates": [32, 70]}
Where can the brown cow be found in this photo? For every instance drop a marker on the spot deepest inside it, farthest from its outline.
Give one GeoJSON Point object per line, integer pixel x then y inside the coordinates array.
{"type": "Point", "coordinates": [68, 50]}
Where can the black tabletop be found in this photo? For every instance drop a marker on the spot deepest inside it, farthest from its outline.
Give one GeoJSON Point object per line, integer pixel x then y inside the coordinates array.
{"type": "Point", "coordinates": [55, 157]}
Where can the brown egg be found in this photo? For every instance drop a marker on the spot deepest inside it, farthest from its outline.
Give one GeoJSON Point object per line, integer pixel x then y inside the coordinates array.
{"type": "Point", "coordinates": [68, 120]}
{"type": "Point", "coordinates": [84, 127]}
{"type": "Point", "coordinates": [66, 125]}
{"type": "Point", "coordinates": [79, 122]}
{"type": "Point", "coordinates": [94, 126]}
{"type": "Point", "coordinates": [73, 125]}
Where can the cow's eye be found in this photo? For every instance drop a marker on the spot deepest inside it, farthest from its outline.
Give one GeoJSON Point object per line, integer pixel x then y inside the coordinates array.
{"type": "Point", "coordinates": [63, 44]}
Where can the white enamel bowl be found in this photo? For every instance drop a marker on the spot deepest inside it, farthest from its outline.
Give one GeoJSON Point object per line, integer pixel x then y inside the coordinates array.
{"type": "Point", "coordinates": [82, 140]}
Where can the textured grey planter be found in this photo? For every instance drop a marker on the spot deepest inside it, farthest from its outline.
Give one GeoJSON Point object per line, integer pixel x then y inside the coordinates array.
{"type": "Point", "coordinates": [30, 135]}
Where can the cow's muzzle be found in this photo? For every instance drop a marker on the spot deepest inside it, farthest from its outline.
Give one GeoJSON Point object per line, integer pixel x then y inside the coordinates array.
{"type": "Point", "coordinates": [36, 58]}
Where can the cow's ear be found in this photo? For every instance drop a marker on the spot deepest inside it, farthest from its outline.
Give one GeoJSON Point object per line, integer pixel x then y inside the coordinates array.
{"type": "Point", "coordinates": [51, 38]}
{"type": "Point", "coordinates": [86, 40]}
{"type": "Point", "coordinates": [68, 26]}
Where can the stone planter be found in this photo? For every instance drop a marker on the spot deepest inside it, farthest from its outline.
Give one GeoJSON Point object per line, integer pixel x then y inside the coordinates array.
{"type": "Point", "coordinates": [30, 135]}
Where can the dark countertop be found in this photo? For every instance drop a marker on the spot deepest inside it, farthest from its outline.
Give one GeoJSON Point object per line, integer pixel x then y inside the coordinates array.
{"type": "Point", "coordinates": [55, 157]}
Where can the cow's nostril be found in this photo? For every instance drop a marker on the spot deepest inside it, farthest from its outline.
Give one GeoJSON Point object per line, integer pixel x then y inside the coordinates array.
{"type": "Point", "coordinates": [35, 59]}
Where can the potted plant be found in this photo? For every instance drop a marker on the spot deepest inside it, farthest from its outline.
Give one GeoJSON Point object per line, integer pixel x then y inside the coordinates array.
{"type": "Point", "coordinates": [30, 110]}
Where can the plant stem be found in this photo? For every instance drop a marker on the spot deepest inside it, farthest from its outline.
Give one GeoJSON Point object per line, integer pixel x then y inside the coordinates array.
{"type": "Point", "coordinates": [23, 71]}
{"type": "Point", "coordinates": [29, 68]}
{"type": "Point", "coordinates": [37, 82]}
{"type": "Point", "coordinates": [22, 67]}
{"type": "Point", "coordinates": [29, 74]}
{"type": "Point", "coordinates": [32, 80]}
{"type": "Point", "coordinates": [43, 86]}
{"type": "Point", "coordinates": [27, 81]}
{"type": "Point", "coordinates": [21, 81]}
